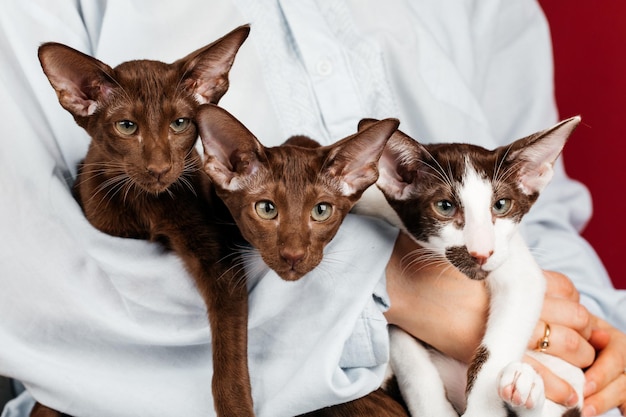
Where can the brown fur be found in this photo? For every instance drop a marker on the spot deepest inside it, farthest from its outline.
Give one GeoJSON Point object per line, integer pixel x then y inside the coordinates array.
{"type": "Point", "coordinates": [147, 183]}
{"type": "Point", "coordinates": [480, 357]}
{"type": "Point", "coordinates": [40, 410]}
{"type": "Point", "coordinates": [295, 178]}
{"type": "Point", "coordinates": [377, 403]}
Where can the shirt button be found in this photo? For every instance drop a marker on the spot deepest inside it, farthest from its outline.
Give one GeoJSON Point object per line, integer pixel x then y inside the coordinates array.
{"type": "Point", "coordinates": [324, 67]}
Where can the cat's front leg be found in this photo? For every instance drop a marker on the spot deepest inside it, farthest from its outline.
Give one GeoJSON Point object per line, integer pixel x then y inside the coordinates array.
{"type": "Point", "coordinates": [516, 296]}
{"type": "Point", "coordinates": [418, 379]}
{"type": "Point", "coordinates": [520, 386]}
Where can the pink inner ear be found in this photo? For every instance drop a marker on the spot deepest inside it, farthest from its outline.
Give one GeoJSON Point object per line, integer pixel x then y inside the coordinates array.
{"type": "Point", "coordinates": [206, 90]}
{"type": "Point", "coordinates": [535, 180]}
{"type": "Point", "coordinates": [75, 100]}
{"type": "Point", "coordinates": [391, 184]}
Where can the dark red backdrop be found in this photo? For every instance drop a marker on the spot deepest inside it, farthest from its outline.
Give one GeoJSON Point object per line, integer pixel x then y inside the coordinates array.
{"type": "Point", "coordinates": [589, 40]}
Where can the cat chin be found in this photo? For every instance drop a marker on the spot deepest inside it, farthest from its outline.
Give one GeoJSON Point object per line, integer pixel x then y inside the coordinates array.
{"type": "Point", "coordinates": [476, 274]}
{"type": "Point", "coordinates": [291, 274]}
{"type": "Point", "coordinates": [154, 188]}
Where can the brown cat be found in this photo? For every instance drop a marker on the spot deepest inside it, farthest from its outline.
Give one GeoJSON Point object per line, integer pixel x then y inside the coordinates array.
{"type": "Point", "coordinates": [290, 200]}
{"type": "Point", "coordinates": [141, 178]}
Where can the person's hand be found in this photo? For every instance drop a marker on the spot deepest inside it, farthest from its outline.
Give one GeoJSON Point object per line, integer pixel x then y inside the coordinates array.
{"type": "Point", "coordinates": [605, 386]}
{"type": "Point", "coordinates": [434, 302]}
{"type": "Point", "coordinates": [570, 328]}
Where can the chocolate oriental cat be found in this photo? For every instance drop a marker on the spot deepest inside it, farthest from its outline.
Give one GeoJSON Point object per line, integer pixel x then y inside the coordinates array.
{"type": "Point", "coordinates": [141, 178]}
{"type": "Point", "coordinates": [462, 204]}
{"type": "Point", "coordinates": [290, 200]}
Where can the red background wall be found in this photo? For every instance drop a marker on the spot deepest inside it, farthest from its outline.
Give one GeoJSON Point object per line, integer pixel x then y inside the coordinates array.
{"type": "Point", "coordinates": [589, 40]}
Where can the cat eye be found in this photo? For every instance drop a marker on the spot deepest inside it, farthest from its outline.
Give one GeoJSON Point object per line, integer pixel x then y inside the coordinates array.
{"type": "Point", "coordinates": [180, 124]}
{"type": "Point", "coordinates": [266, 210]}
{"type": "Point", "coordinates": [502, 206]}
{"type": "Point", "coordinates": [321, 212]}
{"type": "Point", "coordinates": [445, 208]}
{"type": "Point", "coordinates": [126, 127]}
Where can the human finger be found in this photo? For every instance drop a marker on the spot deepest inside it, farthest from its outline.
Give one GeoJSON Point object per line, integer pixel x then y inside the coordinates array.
{"type": "Point", "coordinates": [560, 286]}
{"type": "Point", "coordinates": [556, 388]}
{"type": "Point", "coordinates": [610, 363]}
{"type": "Point", "coordinates": [613, 395]}
{"type": "Point", "coordinates": [563, 342]}
{"type": "Point", "coordinates": [568, 313]}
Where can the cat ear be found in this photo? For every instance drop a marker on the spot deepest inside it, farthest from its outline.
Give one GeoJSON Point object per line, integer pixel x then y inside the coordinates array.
{"type": "Point", "coordinates": [399, 166]}
{"type": "Point", "coordinates": [231, 151]}
{"type": "Point", "coordinates": [79, 80]}
{"type": "Point", "coordinates": [536, 155]}
{"type": "Point", "coordinates": [354, 160]}
{"type": "Point", "coordinates": [205, 71]}
{"type": "Point", "coordinates": [365, 123]}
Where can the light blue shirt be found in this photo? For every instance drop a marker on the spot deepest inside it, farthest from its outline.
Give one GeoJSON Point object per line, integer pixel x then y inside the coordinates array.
{"type": "Point", "coordinates": [96, 325]}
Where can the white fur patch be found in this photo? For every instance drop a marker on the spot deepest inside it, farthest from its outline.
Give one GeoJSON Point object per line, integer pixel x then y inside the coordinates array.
{"type": "Point", "coordinates": [476, 195]}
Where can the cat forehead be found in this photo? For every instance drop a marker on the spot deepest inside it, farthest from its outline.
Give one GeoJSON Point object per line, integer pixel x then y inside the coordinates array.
{"type": "Point", "coordinates": [148, 77]}
{"type": "Point", "coordinates": [307, 162]}
{"type": "Point", "coordinates": [456, 158]}
{"type": "Point", "coordinates": [299, 170]}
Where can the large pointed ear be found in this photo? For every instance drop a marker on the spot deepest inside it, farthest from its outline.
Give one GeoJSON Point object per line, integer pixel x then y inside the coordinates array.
{"type": "Point", "coordinates": [400, 164]}
{"type": "Point", "coordinates": [537, 153]}
{"type": "Point", "coordinates": [205, 71]}
{"type": "Point", "coordinates": [365, 123]}
{"type": "Point", "coordinates": [354, 160]}
{"type": "Point", "coordinates": [231, 151]}
{"type": "Point", "coordinates": [80, 81]}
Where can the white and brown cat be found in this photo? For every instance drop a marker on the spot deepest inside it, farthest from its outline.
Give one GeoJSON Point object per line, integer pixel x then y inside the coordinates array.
{"type": "Point", "coordinates": [463, 204]}
{"type": "Point", "coordinates": [142, 178]}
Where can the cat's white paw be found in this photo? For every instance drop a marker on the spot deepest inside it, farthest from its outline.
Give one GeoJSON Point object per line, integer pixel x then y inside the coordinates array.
{"type": "Point", "coordinates": [521, 386]}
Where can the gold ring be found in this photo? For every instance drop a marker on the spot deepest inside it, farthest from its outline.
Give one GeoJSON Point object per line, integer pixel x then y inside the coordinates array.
{"type": "Point", "coordinates": [544, 343]}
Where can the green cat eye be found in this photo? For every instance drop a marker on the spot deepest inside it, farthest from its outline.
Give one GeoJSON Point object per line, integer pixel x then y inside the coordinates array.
{"type": "Point", "coordinates": [445, 208]}
{"type": "Point", "coordinates": [180, 124]}
{"type": "Point", "coordinates": [266, 210]}
{"type": "Point", "coordinates": [126, 127]}
{"type": "Point", "coordinates": [502, 206]}
{"type": "Point", "coordinates": [321, 212]}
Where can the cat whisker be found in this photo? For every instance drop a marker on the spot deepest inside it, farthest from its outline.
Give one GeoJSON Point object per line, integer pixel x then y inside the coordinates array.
{"type": "Point", "coordinates": [112, 186]}
{"type": "Point", "coordinates": [446, 177]}
{"type": "Point", "coordinates": [505, 176]}
{"type": "Point", "coordinates": [439, 172]}
{"type": "Point", "coordinates": [420, 259]}
{"type": "Point", "coordinates": [184, 182]}
{"type": "Point", "coordinates": [499, 164]}
{"type": "Point", "coordinates": [237, 273]}
{"type": "Point", "coordinates": [326, 268]}
{"type": "Point", "coordinates": [112, 79]}
{"type": "Point", "coordinates": [129, 185]}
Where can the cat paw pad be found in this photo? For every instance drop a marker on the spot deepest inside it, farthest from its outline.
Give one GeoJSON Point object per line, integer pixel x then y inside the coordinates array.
{"type": "Point", "coordinates": [521, 386]}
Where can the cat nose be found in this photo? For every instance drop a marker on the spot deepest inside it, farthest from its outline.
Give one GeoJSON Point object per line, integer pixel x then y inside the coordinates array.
{"type": "Point", "coordinates": [481, 258]}
{"type": "Point", "coordinates": [292, 256]}
{"type": "Point", "coordinates": [158, 170]}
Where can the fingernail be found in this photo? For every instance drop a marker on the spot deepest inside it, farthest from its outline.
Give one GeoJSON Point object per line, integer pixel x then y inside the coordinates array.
{"type": "Point", "coordinates": [572, 400]}
{"type": "Point", "coordinates": [590, 388]}
{"type": "Point", "coordinates": [589, 411]}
